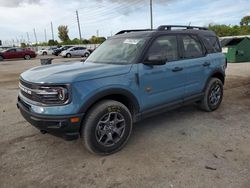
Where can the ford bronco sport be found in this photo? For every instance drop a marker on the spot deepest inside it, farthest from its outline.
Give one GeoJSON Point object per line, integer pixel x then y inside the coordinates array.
{"type": "Point", "coordinates": [132, 75]}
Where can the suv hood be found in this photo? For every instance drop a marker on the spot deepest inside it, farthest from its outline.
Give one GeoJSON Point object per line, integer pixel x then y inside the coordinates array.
{"type": "Point", "coordinates": [73, 72]}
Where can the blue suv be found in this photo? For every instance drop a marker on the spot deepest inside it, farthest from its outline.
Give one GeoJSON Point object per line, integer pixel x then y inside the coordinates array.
{"type": "Point", "coordinates": [132, 75]}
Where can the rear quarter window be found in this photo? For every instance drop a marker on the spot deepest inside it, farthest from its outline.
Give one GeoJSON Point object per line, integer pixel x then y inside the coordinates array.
{"type": "Point", "coordinates": [214, 44]}
{"type": "Point", "coordinates": [192, 46]}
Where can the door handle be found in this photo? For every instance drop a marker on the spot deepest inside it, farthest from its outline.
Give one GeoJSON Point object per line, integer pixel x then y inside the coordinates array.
{"type": "Point", "coordinates": [176, 69]}
{"type": "Point", "coordinates": [206, 64]}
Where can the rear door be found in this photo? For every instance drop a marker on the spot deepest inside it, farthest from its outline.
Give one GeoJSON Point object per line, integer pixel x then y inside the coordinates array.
{"type": "Point", "coordinates": [196, 62]}
{"type": "Point", "coordinates": [81, 51]}
{"type": "Point", "coordinates": [162, 84]}
{"type": "Point", "coordinates": [20, 53]}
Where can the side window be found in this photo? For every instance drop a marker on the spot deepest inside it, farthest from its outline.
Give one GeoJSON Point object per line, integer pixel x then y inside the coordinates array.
{"type": "Point", "coordinates": [19, 50]}
{"type": "Point", "coordinates": [11, 50]}
{"type": "Point", "coordinates": [214, 42]}
{"type": "Point", "coordinates": [165, 47]}
{"type": "Point", "coordinates": [192, 47]}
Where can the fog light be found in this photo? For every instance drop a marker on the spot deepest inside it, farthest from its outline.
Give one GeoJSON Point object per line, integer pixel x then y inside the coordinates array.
{"type": "Point", "coordinates": [75, 120]}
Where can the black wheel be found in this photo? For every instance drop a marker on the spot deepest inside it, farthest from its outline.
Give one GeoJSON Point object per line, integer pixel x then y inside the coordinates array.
{"type": "Point", "coordinates": [213, 95]}
{"type": "Point", "coordinates": [107, 127]}
{"type": "Point", "coordinates": [68, 55]}
{"type": "Point", "coordinates": [86, 55]}
{"type": "Point", "coordinates": [1, 58]}
{"type": "Point", "coordinates": [44, 53]}
{"type": "Point", "coordinates": [27, 57]}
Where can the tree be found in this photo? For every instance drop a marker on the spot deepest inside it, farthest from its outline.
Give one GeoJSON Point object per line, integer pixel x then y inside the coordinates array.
{"type": "Point", "coordinates": [53, 43]}
{"type": "Point", "coordinates": [63, 33]}
{"type": "Point", "coordinates": [23, 45]}
{"type": "Point", "coordinates": [245, 21]}
{"type": "Point", "coordinates": [97, 40]}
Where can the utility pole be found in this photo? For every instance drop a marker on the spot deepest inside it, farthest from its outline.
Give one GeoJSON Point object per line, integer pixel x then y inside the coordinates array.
{"type": "Point", "coordinates": [45, 35]}
{"type": "Point", "coordinates": [28, 38]}
{"type": "Point", "coordinates": [35, 35]}
{"type": "Point", "coordinates": [78, 22]}
{"type": "Point", "coordinates": [97, 33]}
{"type": "Point", "coordinates": [151, 14]}
{"type": "Point", "coordinates": [52, 32]}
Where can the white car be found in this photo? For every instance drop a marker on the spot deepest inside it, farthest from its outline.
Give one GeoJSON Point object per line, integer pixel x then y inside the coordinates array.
{"type": "Point", "coordinates": [47, 51]}
{"type": "Point", "coordinates": [75, 51]}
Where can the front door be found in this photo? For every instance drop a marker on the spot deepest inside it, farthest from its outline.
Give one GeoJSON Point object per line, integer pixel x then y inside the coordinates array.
{"type": "Point", "coordinates": [162, 84]}
{"type": "Point", "coordinates": [10, 54]}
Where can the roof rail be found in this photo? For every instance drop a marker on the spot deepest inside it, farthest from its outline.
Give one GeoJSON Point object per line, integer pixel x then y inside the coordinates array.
{"type": "Point", "coordinates": [133, 30]}
{"type": "Point", "coordinates": [169, 27]}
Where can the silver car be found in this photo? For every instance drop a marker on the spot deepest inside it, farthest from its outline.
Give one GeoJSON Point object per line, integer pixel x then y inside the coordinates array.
{"type": "Point", "coordinates": [75, 51]}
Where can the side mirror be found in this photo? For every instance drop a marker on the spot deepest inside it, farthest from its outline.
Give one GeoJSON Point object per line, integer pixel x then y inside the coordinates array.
{"type": "Point", "coordinates": [155, 60]}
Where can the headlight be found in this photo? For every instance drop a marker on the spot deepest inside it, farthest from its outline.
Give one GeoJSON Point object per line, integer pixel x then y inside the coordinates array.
{"type": "Point", "coordinates": [46, 94]}
{"type": "Point", "coordinates": [52, 95]}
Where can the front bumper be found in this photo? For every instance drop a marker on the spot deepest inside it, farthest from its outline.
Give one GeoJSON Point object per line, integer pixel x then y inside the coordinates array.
{"type": "Point", "coordinates": [56, 125]}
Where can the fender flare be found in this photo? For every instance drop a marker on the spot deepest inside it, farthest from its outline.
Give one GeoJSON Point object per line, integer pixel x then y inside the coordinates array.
{"type": "Point", "coordinates": [217, 71]}
{"type": "Point", "coordinates": [113, 91]}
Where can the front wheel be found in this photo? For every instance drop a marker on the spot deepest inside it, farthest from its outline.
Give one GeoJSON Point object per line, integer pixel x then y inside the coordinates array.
{"type": "Point", "coordinates": [213, 95]}
{"type": "Point", "coordinates": [107, 127]}
{"type": "Point", "coordinates": [68, 55]}
{"type": "Point", "coordinates": [1, 58]}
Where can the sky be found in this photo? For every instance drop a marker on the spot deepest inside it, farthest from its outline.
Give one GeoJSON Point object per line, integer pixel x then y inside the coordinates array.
{"type": "Point", "coordinates": [19, 17]}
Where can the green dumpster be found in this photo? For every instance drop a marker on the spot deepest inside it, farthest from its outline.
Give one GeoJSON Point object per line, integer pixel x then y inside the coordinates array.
{"type": "Point", "coordinates": [236, 49]}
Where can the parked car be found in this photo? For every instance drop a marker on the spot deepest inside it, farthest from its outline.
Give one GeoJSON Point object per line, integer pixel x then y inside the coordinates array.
{"type": "Point", "coordinates": [4, 48]}
{"type": "Point", "coordinates": [47, 51]}
{"type": "Point", "coordinates": [13, 53]}
{"type": "Point", "coordinates": [75, 51]}
{"type": "Point", "coordinates": [59, 50]}
{"type": "Point", "coordinates": [131, 76]}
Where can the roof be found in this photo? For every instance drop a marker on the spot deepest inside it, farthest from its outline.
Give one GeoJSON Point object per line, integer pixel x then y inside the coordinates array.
{"type": "Point", "coordinates": [151, 33]}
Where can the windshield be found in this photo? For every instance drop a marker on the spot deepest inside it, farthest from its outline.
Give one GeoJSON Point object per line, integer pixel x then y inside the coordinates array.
{"type": "Point", "coordinates": [117, 51]}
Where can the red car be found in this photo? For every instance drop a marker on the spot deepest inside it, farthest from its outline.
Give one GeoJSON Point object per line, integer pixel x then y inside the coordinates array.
{"type": "Point", "coordinates": [13, 53]}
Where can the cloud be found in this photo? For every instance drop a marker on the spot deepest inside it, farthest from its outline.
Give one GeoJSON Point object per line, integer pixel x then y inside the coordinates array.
{"type": "Point", "coordinates": [17, 3]}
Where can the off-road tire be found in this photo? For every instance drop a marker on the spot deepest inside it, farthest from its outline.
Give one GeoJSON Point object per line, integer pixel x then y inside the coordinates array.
{"type": "Point", "coordinates": [205, 103]}
{"type": "Point", "coordinates": [92, 122]}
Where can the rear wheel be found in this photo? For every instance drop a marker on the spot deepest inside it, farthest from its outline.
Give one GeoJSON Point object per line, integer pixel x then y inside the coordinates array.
{"type": "Point", "coordinates": [1, 58]}
{"type": "Point", "coordinates": [27, 57]}
{"type": "Point", "coordinates": [107, 127]}
{"type": "Point", "coordinates": [45, 53]}
{"type": "Point", "coordinates": [213, 95]}
{"type": "Point", "coordinates": [86, 55]}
